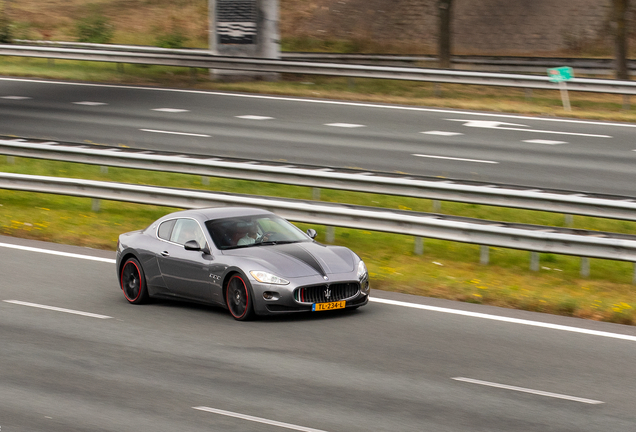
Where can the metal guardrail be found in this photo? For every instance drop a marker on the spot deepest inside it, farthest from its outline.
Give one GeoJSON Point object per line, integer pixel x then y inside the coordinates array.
{"type": "Point", "coordinates": [559, 201]}
{"type": "Point", "coordinates": [203, 59]}
{"type": "Point", "coordinates": [536, 238]}
{"type": "Point", "coordinates": [515, 64]}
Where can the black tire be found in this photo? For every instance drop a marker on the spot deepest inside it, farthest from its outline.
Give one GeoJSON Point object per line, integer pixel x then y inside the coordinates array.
{"type": "Point", "coordinates": [238, 298]}
{"type": "Point", "coordinates": [133, 282]}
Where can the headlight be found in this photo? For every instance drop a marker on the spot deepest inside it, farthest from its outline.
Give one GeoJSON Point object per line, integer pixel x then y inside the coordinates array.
{"type": "Point", "coordinates": [269, 278]}
{"type": "Point", "coordinates": [362, 271]}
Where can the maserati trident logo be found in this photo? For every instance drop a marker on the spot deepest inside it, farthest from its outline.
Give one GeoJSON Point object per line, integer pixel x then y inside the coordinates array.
{"type": "Point", "coordinates": [327, 293]}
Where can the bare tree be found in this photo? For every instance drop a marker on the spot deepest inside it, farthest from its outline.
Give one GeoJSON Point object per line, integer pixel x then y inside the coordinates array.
{"type": "Point", "coordinates": [445, 33]}
{"type": "Point", "coordinates": [619, 18]}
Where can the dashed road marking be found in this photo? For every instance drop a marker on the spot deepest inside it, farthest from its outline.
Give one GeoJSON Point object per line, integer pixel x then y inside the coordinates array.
{"type": "Point", "coordinates": [527, 390]}
{"type": "Point", "coordinates": [16, 97]}
{"type": "Point", "coordinates": [455, 159]}
{"type": "Point", "coordinates": [442, 133]}
{"type": "Point", "coordinates": [254, 117]}
{"type": "Point", "coordinates": [89, 103]}
{"type": "Point", "coordinates": [175, 133]}
{"type": "Point", "coordinates": [345, 125]}
{"type": "Point", "coordinates": [170, 110]}
{"type": "Point", "coordinates": [257, 419]}
{"type": "Point", "coordinates": [547, 142]}
{"type": "Point", "coordinates": [57, 309]}
{"type": "Point", "coordinates": [488, 124]}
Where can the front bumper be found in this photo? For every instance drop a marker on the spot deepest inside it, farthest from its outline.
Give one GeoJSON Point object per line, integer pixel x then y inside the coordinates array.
{"type": "Point", "coordinates": [285, 299]}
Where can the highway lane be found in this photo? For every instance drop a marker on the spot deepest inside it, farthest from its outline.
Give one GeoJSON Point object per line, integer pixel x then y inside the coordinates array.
{"type": "Point", "coordinates": [381, 368]}
{"type": "Point", "coordinates": [499, 148]}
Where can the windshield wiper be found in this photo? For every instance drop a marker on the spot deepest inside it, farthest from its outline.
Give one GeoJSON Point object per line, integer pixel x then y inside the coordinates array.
{"type": "Point", "coordinates": [276, 242]}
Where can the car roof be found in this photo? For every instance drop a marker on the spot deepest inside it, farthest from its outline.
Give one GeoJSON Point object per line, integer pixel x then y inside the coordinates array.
{"type": "Point", "coordinates": [218, 212]}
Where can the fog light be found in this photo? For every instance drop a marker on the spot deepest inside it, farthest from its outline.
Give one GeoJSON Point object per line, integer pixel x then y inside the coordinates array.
{"type": "Point", "coordinates": [271, 295]}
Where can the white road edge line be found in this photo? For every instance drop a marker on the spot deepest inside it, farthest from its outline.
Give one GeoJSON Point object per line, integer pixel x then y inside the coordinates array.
{"type": "Point", "coordinates": [257, 419]}
{"type": "Point", "coordinates": [175, 133]}
{"type": "Point", "coordinates": [53, 252]}
{"type": "Point", "coordinates": [454, 158]}
{"type": "Point", "coordinates": [321, 101]}
{"type": "Point", "coordinates": [531, 391]}
{"type": "Point", "coordinates": [506, 319]}
{"type": "Point", "coordinates": [57, 309]}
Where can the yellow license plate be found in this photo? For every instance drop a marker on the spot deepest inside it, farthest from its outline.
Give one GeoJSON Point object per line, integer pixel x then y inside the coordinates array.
{"type": "Point", "coordinates": [328, 306]}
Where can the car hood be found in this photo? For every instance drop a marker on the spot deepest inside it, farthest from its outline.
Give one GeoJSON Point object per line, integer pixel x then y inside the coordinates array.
{"type": "Point", "coordinates": [299, 259]}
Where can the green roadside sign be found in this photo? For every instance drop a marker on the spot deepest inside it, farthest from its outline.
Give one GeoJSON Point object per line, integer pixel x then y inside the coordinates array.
{"type": "Point", "coordinates": [560, 74]}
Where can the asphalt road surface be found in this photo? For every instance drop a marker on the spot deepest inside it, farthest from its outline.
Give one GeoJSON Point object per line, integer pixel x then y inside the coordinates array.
{"type": "Point", "coordinates": [538, 152]}
{"type": "Point", "coordinates": [418, 364]}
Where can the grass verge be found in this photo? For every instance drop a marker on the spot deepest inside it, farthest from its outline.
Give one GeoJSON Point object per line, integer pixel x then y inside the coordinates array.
{"type": "Point", "coordinates": [445, 270]}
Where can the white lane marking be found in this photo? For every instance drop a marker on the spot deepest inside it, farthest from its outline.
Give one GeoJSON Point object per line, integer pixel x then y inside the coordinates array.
{"type": "Point", "coordinates": [506, 319]}
{"type": "Point", "coordinates": [498, 125]}
{"type": "Point", "coordinates": [442, 133]}
{"type": "Point", "coordinates": [16, 97]}
{"type": "Point", "coordinates": [58, 253]}
{"type": "Point", "coordinates": [175, 133]}
{"type": "Point", "coordinates": [257, 419]}
{"type": "Point", "coordinates": [57, 309]}
{"type": "Point", "coordinates": [455, 159]}
{"type": "Point", "coordinates": [345, 125]}
{"type": "Point", "coordinates": [547, 142]}
{"type": "Point", "coordinates": [254, 117]}
{"type": "Point", "coordinates": [531, 391]}
{"type": "Point", "coordinates": [322, 101]}
{"type": "Point", "coordinates": [89, 103]}
{"type": "Point", "coordinates": [171, 110]}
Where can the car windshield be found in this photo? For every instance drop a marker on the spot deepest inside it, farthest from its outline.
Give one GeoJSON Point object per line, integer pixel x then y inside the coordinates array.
{"type": "Point", "coordinates": [248, 231]}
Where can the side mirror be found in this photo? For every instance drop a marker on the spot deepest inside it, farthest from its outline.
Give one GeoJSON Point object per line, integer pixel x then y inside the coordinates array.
{"type": "Point", "coordinates": [192, 245]}
{"type": "Point", "coordinates": [312, 233]}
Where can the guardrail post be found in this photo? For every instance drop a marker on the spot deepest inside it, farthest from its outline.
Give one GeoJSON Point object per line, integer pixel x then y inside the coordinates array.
{"type": "Point", "coordinates": [634, 277]}
{"type": "Point", "coordinates": [528, 94]}
{"type": "Point", "coordinates": [534, 261]}
{"type": "Point", "coordinates": [315, 194]}
{"type": "Point", "coordinates": [437, 90]}
{"type": "Point", "coordinates": [193, 75]}
{"type": "Point", "coordinates": [626, 103]}
{"type": "Point", "coordinates": [205, 180]}
{"type": "Point", "coordinates": [120, 68]}
{"type": "Point", "coordinates": [585, 267]}
{"type": "Point", "coordinates": [103, 169]}
{"type": "Point", "coordinates": [95, 205]}
{"type": "Point", "coordinates": [569, 220]}
{"type": "Point", "coordinates": [419, 246]}
{"type": "Point", "coordinates": [330, 234]}
{"type": "Point", "coordinates": [11, 160]}
{"type": "Point", "coordinates": [484, 255]}
{"type": "Point", "coordinates": [437, 206]}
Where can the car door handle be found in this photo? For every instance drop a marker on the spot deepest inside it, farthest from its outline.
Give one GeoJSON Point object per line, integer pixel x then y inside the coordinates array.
{"type": "Point", "coordinates": [165, 253]}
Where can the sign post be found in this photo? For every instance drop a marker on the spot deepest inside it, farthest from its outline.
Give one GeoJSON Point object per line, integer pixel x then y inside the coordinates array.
{"type": "Point", "coordinates": [561, 75]}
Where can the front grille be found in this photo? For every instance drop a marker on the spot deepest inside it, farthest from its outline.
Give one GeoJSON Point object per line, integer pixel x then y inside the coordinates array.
{"type": "Point", "coordinates": [327, 292]}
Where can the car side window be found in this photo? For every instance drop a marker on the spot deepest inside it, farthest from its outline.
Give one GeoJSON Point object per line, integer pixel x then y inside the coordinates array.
{"type": "Point", "coordinates": [186, 230]}
{"type": "Point", "coordinates": [165, 229]}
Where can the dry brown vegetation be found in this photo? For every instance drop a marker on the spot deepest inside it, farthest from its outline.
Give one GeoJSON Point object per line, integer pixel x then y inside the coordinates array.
{"type": "Point", "coordinates": [135, 21]}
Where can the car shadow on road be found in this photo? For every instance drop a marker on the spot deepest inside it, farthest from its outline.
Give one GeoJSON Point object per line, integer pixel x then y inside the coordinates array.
{"type": "Point", "coordinates": [292, 317]}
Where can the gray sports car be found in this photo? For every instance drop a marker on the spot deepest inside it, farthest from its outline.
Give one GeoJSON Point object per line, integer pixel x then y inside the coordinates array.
{"type": "Point", "coordinates": [247, 260]}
